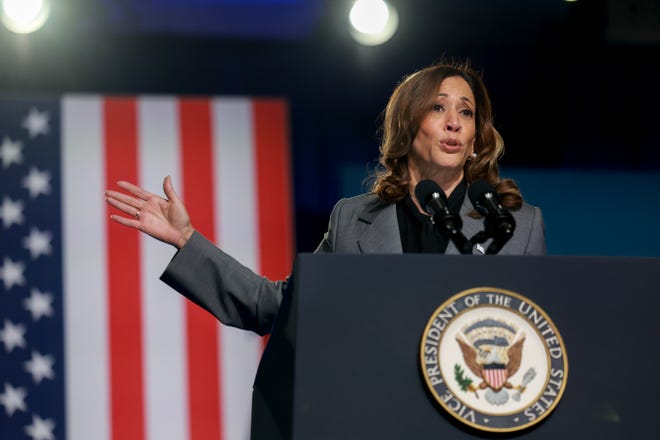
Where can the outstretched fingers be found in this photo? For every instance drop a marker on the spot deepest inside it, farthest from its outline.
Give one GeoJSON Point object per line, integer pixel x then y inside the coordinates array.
{"type": "Point", "coordinates": [130, 222]}
{"type": "Point", "coordinates": [133, 221]}
{"type": "Point", "coordinates": [140, 193]}
{"type": "Point", "coordinates": [124, 199]}
{"type": "Point", "coordinates": [127, 205]}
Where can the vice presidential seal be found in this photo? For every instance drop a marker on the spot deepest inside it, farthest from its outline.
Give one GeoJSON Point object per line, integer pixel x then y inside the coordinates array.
{"type": "Point", "coordinates": [494, 360]}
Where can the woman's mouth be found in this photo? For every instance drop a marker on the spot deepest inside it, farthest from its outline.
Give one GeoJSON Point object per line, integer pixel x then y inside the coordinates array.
{"type": "Point", "coordinates": [451, 145]}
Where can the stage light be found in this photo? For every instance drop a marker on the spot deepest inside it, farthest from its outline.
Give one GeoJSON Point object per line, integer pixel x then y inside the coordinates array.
{"type": "Point", "coordinates": [24, 16]}
{"type": "Point", "coordinates": [373, 22]}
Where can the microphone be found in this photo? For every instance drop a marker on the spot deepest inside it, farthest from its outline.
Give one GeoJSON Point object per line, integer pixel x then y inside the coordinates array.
{"type": "Point", "coordinates": [434, 201]}
{"type": "Point", "coordinates": [498, 222]}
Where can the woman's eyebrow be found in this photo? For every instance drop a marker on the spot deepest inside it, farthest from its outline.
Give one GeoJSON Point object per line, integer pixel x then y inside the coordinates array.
{"type": "Point", "coordinates": [463, 98]}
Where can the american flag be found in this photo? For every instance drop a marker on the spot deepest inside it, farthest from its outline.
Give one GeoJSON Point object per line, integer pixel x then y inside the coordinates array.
{"type": "Point", "coordinates": [92, 344]}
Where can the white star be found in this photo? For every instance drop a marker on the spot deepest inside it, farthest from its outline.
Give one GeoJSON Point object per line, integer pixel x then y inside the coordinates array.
{"type": "Point", "coordinates": [12, 273]}
{"type": "Point", "coordinates": [40, 429]}
{"type": "Point", "coordinates": [40, 367]}
{"type": "Point", "coordinates": [10, 152]}
{"type": "Point", "coordinates": [13, 399]}
{"type": "Point", "coordinates": [37, 182]}
{"type": "Point", "coordinates": [11, 212]}
{"type": "Point", "coordinates": [38, 243]}
{"type": "Point", "coordinates": [36, 123]}
{"type": "Point", "coordinates": [12, 335]}
{"type": "Point", "coordinates": [39, 304]}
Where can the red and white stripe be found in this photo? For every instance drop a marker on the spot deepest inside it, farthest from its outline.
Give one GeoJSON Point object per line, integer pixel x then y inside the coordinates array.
{"type": "Point", "coordinates": [142, 362]}
{"type": "Point", "coordinates": [495, 377]}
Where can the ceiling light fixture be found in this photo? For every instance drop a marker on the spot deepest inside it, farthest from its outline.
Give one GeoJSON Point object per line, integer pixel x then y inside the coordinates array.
{"type": "Point", "coordinates": [373, 22]}
{"type": "Point", "coordinates": [24, 16]}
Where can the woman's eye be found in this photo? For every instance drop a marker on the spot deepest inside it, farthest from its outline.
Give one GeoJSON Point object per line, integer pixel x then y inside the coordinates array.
{"type": "Point", "coordinates": [467, 112]}
{"type": "Point", "coordinates": [437, 107]}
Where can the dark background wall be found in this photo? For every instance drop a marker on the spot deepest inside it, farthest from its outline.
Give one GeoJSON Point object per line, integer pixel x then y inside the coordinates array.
{"type": "Point", "coordinates": [574, 84]}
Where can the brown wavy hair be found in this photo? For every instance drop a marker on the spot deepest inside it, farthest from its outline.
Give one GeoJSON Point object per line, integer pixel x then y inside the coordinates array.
{"type": "Point", "coordinates": [411, 101]}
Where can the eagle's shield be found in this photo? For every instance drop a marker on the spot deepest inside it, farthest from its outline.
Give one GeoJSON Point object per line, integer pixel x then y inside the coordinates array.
{"type": "Point", "coordinates": [495, 376]}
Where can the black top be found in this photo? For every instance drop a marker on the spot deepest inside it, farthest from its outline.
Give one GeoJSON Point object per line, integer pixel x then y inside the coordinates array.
{"type": "Point", "coordinates": [418, 235]}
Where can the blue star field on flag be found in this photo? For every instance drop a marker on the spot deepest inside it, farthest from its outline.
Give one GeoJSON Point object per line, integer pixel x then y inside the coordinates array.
{"type": "Point", "coordinates": [32, 404]}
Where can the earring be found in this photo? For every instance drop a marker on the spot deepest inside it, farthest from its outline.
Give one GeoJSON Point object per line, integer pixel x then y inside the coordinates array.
{"type": "Point", "coordinates": [474, 155]}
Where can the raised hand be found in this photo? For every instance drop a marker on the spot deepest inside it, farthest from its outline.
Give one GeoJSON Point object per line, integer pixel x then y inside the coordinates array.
{"type": "Point", "coordinates": [165, 219]}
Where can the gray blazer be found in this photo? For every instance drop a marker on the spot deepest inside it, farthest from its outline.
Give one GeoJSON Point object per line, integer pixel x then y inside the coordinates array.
{"type": "Point", "coordinates": [239, 297]}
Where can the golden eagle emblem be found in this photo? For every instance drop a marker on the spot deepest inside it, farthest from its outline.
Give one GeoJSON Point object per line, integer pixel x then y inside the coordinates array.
{"type": "Point", "coordinates": [492, 355]}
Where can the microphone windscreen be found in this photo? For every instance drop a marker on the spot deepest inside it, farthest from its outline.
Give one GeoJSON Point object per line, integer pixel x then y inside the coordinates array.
{"type": "Point", "coordinates": [425, 189]}
{"type": "Point", "coordinates": [478, 189]}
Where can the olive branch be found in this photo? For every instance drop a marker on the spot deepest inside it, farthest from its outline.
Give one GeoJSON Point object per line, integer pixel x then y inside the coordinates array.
{"type": "Point", "coordinates": [464, 382]}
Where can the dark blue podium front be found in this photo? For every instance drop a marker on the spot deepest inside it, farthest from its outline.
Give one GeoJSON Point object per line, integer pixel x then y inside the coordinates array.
{"type": "Point", "coordinates": [343, 359]}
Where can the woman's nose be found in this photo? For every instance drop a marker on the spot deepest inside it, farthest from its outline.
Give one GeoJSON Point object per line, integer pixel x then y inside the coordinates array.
{"type": "Point", "coordinates": [453, 121]}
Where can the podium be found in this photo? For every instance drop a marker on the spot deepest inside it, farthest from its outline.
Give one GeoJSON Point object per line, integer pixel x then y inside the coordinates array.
{"type": "Point", "coordinates": [343, 362]}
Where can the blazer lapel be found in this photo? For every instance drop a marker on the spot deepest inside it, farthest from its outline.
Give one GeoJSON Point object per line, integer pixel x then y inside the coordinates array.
{"type": "Point", "coordinates": [382, 234]}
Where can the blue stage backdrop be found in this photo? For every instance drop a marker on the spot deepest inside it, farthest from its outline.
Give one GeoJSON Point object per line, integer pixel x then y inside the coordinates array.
{"type": "Point", "coordinates": [590, 212]}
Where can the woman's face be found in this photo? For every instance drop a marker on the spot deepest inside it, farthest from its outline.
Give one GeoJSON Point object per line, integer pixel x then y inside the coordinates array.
{"type": "Point", "coordinates": [445, 138]}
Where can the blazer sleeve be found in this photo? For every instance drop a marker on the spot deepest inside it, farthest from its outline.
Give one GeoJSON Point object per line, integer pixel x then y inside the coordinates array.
{"type": "Point", "coordinates": [215, 281]}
